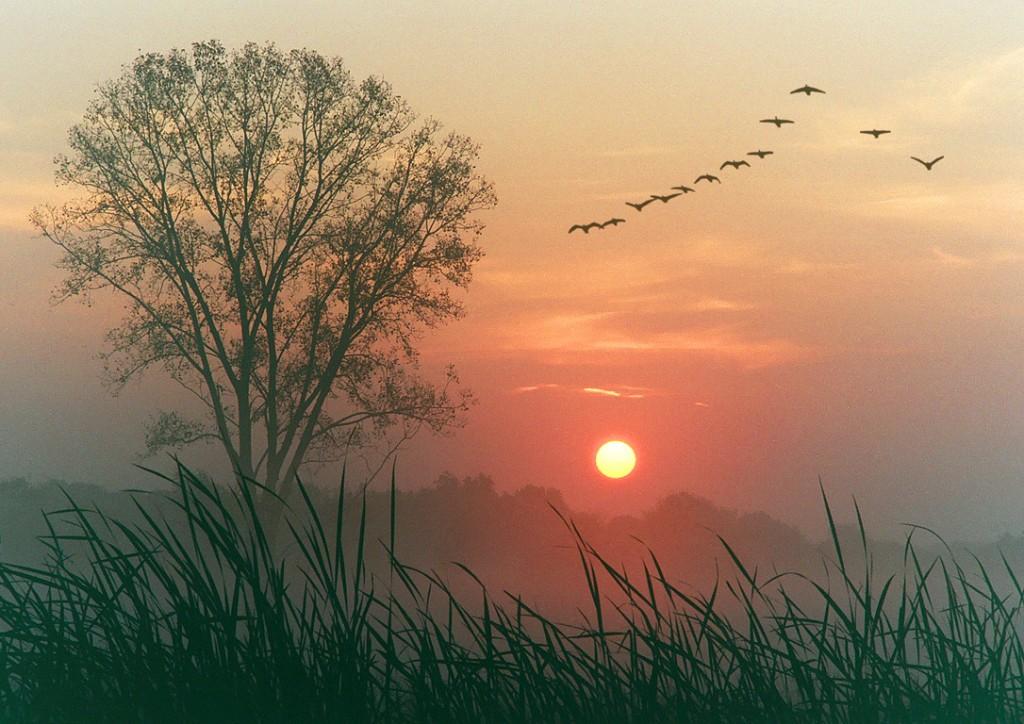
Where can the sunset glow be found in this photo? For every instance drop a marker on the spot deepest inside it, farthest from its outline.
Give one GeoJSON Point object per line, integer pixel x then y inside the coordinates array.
{"type": "Point", "coordinates": [615, 459]}
{"type": "Point", "coordinates": [834, 308]}
{"type": "Point", "coordinates": [571, 315]}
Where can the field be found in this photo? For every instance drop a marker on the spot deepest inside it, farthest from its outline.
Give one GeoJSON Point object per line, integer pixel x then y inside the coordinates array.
{"type": "Point", "coordinates": [195, 615]}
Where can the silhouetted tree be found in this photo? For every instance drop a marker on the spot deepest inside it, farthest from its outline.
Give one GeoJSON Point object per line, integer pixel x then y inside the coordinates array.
{"type": "Point", "coordinates": [281, 234]}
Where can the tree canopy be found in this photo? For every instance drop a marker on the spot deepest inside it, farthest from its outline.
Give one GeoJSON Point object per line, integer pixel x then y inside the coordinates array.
{"type": "Point", "coordinates": [282, 235]}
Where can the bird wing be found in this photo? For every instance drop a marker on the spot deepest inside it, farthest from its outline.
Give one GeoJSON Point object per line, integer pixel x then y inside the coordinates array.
{"type": "Point", "coordinates": [727, 163]}
{"type": "Point", "coordinates": [938, 159]}
{"type": "Point", "coordinates": [741, 163]}
{"type": "Point", "coordinates": [923, 163]}
{"type": "Point", "coordinates": [574, 227]}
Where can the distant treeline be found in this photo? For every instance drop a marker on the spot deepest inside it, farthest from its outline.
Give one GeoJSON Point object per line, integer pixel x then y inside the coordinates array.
{"type": "Point", "coordinates": [514, 541]}
{"type": "Point", "coordinates": [181, 605]}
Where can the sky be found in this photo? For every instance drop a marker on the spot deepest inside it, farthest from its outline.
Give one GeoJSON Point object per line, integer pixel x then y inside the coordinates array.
{"type": "Point", "coordinates": [835, 312]}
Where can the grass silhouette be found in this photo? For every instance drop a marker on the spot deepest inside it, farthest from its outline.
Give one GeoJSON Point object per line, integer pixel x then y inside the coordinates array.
{"type": "Point", "coordinates": [193, 614]}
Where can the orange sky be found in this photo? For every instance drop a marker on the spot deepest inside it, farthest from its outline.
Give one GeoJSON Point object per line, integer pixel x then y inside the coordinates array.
{"type": "Point", "coordinates": [834, 310]}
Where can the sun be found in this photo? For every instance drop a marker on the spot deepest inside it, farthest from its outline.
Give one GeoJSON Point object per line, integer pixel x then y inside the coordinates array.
{"type": "Point", "coordinates": [615, 459]}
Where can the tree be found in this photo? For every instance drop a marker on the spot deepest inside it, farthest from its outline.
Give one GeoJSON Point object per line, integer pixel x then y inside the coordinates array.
{"type": "Point", "coordinates": [282, 235]}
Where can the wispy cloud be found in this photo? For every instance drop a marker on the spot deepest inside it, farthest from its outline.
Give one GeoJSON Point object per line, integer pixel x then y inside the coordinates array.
{"type": "Point", "coordinates": [578, 181]}
{"type": "Point", "coordinates": [948, 259]}
{"type": "Point", "coordinates": [955, 100]}
{"type": "Point", "coordinates": [599, 391]}
{"type": "Point", "coordinates": [606, 333]}
{"type": "Point", "coordinates": [980, 205]}
{"type": "Point", "coordinates": [625, 392]}
{"type": "Point", "coordinates": [974, 89]}
{"type": "Point", "coordinates": [614, 393]}
{"type": "Point", "coordinates": [716, 304]}
{"type": "Point", "coordinates": [807, 266]}
{"type": "Point", "coordinates": [749, 353]}
{"type": "Point", "coordinates": [991, 257]}
{"type": "Point", "coordinates": [911, 202]}
{"type": "Point", "coordinates": [669, 311]}
{"type": "Point", "coordinates": [622, 196]}
{"type": "Point", "coordinates": [18, 198]}
{"type": "Point", "coordinates": [534, 388]}
{"type": "Point", "coordinates": [637, 151]}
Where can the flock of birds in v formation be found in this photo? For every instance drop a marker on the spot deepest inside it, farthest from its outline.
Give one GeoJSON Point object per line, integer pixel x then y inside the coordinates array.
{"type": "Point", "coordinates": [710, 178]}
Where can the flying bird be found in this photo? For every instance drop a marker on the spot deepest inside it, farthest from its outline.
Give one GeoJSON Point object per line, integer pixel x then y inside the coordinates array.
{"type": "Point", "coordinates": [760, 154]}
{"type": "Point", "coordinates": [683, 189]}
{"type": "Point", "coordinates": [612, 222]}
{"type": "Point", "coordinates": [734, 164]}
{"type": "Point", "coordinates": [639, 205]}
{"type": "Point", "coordinates": [776, 120]}
{"type": "Point", "coordinates": [928, 164]}
{"type": "Point", "coordinates": [585, 228]}
{"type": "Point", "coordinates": [875, 132]}
{"type": "Point", "coordinates": [707, 177]}
{"type": "Point", "coordinates": [807, 89]}
{"type": "Point", "coordinates": [666, 199]}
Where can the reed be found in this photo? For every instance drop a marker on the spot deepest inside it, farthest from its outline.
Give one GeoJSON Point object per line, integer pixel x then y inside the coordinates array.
{"type": "Point", "coordinates": [191, 613]}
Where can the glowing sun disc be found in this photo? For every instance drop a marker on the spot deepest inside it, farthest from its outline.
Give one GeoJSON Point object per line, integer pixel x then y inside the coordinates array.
{"type": "Point", "coordinates": [615, 459]}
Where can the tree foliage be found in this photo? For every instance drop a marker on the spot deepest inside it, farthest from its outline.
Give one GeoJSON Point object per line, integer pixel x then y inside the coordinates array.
{"type": "Point", "coordinates": [281, 234]}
